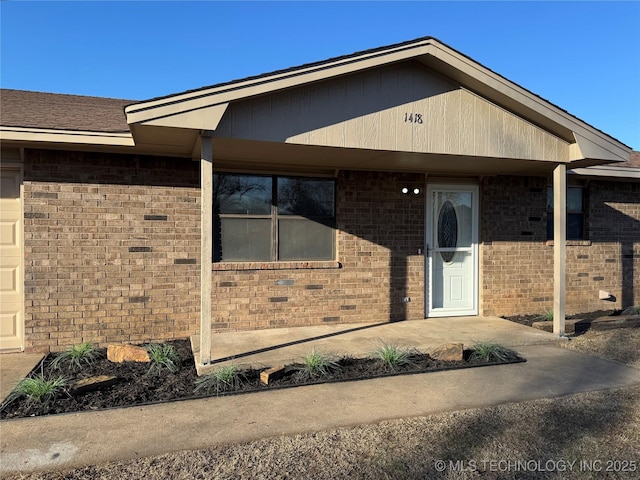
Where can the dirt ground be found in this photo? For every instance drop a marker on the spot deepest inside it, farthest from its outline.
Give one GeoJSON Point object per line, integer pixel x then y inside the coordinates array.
{"type": "Point", "coordinates": [584, 436]}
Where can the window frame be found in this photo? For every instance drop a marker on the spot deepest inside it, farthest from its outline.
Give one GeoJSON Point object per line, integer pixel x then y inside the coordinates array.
{"type": "Point", "coordinates": [275, 217]}
{"type": "Point", "coordinates": [582, 213]}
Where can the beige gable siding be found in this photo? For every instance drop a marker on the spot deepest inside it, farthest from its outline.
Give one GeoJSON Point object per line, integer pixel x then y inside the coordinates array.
{"type": "Point", "coordinates": [372, 110]}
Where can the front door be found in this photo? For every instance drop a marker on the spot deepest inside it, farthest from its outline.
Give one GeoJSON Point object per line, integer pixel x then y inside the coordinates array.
{"type": "Point", "coordinates": [11, 278]}
{"type": "Point", "coordinates": [452, 250]}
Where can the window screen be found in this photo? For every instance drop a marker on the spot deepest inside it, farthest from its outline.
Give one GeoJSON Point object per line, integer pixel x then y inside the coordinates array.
{"type": "Point", "coordinates": [575, 213]}
{"type": "Point", "coordinates": [270, 218]}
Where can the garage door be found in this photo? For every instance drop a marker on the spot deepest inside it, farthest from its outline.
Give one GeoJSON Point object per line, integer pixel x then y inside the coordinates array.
{"type": "Point", "coordinates": [11, 276]}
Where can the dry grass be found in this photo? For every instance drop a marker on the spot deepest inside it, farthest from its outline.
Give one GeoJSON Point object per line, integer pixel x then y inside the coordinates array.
{"type": "Point", "coordinates": [621, 345]}
{"type": "Point", "coordinates": [596, 426]}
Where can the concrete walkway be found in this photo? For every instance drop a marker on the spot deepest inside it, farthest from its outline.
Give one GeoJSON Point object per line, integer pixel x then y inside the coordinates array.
{"type": "Point", "coordinates": [13, 368]}
{"type": "Point", "coordinates": [89, 438]}
{"type": "Point", "coordinates": [268, 348]}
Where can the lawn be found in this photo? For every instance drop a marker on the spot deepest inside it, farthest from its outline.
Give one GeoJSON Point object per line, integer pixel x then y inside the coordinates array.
{"type": "Point", "coordinates": [590, 435]}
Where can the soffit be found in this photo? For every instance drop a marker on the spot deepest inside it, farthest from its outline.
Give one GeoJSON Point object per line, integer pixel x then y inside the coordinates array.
{"type": "Point", "coordinates": [250, 155]}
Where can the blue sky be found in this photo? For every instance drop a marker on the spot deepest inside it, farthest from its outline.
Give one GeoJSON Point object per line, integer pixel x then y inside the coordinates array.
{"type": "Point", "coordinates": [582, 56]}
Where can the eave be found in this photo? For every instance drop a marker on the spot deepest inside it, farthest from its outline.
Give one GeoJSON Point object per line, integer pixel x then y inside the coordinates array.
{"type": "Point", "coordinates": [52, 136]}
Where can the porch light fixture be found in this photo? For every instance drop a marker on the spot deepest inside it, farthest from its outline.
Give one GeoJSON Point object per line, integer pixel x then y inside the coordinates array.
{"type": "Point", "coordinates": [405, 190]}
{"type": "Point", "coordinates": [416, 191]}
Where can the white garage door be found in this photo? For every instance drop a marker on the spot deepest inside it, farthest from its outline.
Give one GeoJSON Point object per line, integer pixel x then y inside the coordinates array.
{"type": "Point", "coordinates": [11, 276]}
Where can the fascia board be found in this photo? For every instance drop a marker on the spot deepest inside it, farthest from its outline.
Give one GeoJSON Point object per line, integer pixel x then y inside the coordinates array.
{"type": "Point", "coordinates": [587, 148]}
{"type": "Point", "coordinates": [205, 118]}
{"type": "Point", "coordinates": [148, 111]}
{"type": "Point", "coordinates": [608, 171]}
{"type": "Point", "coordinates": [528, 100]}
{"type": "Point", "coordinates": [21, 134]}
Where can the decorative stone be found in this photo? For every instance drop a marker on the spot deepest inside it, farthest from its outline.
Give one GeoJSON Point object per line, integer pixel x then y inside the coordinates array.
{"type": "Point", "coordinates": [570, 326]}
{"type": "Point", "coordinates": [127, 353]}
{"type": "Point", "coordinates": [271, 374]}
{"type": "Point", "coordinates": [449, 352]}
{"type": "Point", "coordinates": [93, 383]}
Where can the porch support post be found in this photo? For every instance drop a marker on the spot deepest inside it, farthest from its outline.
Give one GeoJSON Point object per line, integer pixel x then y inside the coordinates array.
{"type": "Point", "coordinates": [559, 247]}
{"type": "Point", "coordinates": [206, 246]}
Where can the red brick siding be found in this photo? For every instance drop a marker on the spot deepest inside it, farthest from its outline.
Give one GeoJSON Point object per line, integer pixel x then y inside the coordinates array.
{"type": "Point", "coordinates": [517, 262]}
{"type": "Point", "coordinates": [379, 232]}
{"type": "Point", "coordinates": [112, 247]}
{"type": "Point", "coordinates": [109, 246]}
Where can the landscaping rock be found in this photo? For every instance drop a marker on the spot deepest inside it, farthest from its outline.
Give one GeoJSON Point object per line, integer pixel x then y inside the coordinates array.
{"type": "Point", "coordinates": [127, 353]}
{"type": "Point", "coordinates": [449, 352]}
{"type": "Point", "coordinates": [570, 326]}
{"type": "Point", "coordinates": [272, 374]}
{"type": "Point", "coordinates": [93, 383]}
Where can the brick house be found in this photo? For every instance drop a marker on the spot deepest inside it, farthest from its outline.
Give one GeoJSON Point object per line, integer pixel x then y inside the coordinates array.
{"type": "Point", "coordinates": [404, 182]}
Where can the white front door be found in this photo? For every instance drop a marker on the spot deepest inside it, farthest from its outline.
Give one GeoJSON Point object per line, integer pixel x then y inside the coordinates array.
{"type": "Point", "coordinates": [452, 250]}
{"type": "Point", "coordinates": [11, 277]}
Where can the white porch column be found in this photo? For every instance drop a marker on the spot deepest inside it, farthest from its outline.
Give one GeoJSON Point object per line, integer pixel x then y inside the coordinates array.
{"type": "Point", "coordinates": [206, 246]}
{"type": "Point", "coordinates": [559, 247]}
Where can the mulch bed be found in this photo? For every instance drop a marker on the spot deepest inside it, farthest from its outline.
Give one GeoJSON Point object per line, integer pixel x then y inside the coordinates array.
{"type": "Point", "coordinates": [137, 387]}
{"type": "Point", "coordinates": [529, 319]}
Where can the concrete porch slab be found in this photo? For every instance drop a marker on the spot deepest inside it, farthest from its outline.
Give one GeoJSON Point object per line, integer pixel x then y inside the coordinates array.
{"type": "Point", "coordinates": [13, 368]}
{"type": "Point", "coordinates": [268, 348]}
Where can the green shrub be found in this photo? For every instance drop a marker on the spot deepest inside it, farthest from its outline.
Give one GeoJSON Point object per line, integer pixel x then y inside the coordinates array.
{"type": "Point", "coordinates": [38, 391]}
{"type": "Point", "coordinates": [224, 379]}
{"type": "Point", "coordinates": [163, 355]}
{"type": "Point", "coordinates": [316, 365]}
{"type": "Point", "coordinates": [546, 316]}
{"type": "Point", "coordinates": [74, 357]}
{"type": "Point", "coordinates": [392, 356]}
{"type": "Point", "coordinates": [491, 352]}
{"type": "Point", "coordinates": [635, 310]}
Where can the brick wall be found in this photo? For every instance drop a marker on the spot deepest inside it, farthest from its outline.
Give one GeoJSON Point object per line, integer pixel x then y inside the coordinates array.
{"type": "Point", "coordinates": [380, 230]}
{"type": "Point", "coordinates": [614, 226]}
{"type": "Point", "coordinates": [517, 260]}
{"type": "Point", "coordinates": [112, 255]}
{"type": "Point", "coordinates": [112, 248]}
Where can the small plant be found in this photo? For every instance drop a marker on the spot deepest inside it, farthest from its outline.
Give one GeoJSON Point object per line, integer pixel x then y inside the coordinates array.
{"type": "Point", "coordinates": [392, 356]}
{"type": "Point", "coordinates": [316, 365]}
{"type": "Point", "coordinates": [635, 310]}
{"type": "Point", "coordinates": [75, 356]}
{"type": "Point", "coordinates": [163, 355]}
{"type": "Point", "coordinates": [491, 352]}
{"type": "Point", "coordinates": [546, 316]}
{"type": "Point", "coordinates": [38, 390]}
{"type": "Point", "coordinates": [223, 379]}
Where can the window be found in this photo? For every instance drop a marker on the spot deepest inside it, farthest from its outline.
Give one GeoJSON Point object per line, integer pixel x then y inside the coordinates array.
{"type": "Point", "coordinates": [270, 218]}
{"type": "Point", "coordinates": [575, 213]}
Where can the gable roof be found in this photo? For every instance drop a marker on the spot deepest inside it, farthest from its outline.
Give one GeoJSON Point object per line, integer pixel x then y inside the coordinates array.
{"type": "Point", "coordinates": [203, 108]}
{"type": "Point", "coordinates": [172, 125]}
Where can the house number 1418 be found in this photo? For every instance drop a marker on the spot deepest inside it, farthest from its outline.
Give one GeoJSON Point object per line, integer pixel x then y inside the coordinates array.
{"type": "Point", "coordinates": [413, 118]}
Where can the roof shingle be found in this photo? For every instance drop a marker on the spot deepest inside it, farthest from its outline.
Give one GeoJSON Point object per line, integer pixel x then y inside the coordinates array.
{"type": "Point", "coordinates": [27, 109]}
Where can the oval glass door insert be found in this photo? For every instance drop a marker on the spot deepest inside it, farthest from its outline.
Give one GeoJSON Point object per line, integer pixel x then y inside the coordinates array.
{"type": "Point", "coordinates": [447, 230]}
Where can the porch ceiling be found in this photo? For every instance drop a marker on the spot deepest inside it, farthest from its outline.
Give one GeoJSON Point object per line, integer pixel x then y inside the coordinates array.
{"type": "Point", "coordinates": [243, 155]}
